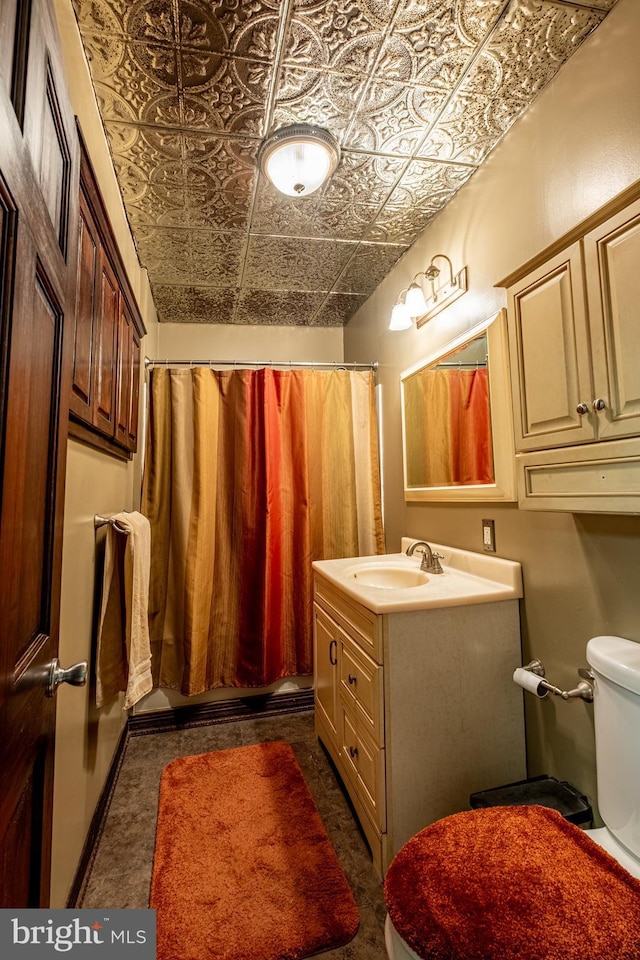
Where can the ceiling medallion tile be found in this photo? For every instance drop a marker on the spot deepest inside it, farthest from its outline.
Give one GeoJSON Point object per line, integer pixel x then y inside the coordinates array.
{"type": "Point", "coordinates": [209, 111]}
{"type": "Point", "coordinates": [100, 16]}
{"type": "Point", "coordinates": [469, 128]}
{"type": "Point", "coordinates": [145, 147]}
{"type": "Point", "coordinates": [368, 267]}
{"type": "Point", "coordinates": [310, 96]}
{"type": "Point", "coordinates": [230, 27]}
{"type": "Point", "coordinates": [216, 258]}
{"type": "Point", "coordinates": [150, 21]}
{"type": "Point", "coordinates": [193, 257]}
{"type": "Point", "coordinates": [399, 224]}
{"type": "Point", "coordinates": [444, 73]}
{"type": "Point", "coordinates": [149, 211]}
{"type": "Point", "coordinates": [429, 185]}
{"type": "Point", "coordinates": [277, 263]}
{"type": "Point", "coordinates": [342, 221]}
{"type": "Point", "coordinates": [134, 75]}
{"type": "Point", "coordinates": [529, 46]}
{"type": "Point", "coordinates": [476, 18]}
{"type": "Point", "coordinates": [323, 31]}
{"type": "Point", "coordinates": [363, 179]}
{"type": "Point", "coordinates": [178, 304]}
{"type": "Point", "coordinates": [289, 309]}
{"type": "Point", "coordinates": [337, 309]}
{"type": "Point", "coordinates": [276, 214]}
{"type": "Point", "coordinates": [398, 125]}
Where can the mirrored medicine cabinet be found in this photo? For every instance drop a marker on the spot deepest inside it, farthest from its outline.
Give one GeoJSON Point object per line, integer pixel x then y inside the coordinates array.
{"type": "Point", "coordinates": [457, 435]}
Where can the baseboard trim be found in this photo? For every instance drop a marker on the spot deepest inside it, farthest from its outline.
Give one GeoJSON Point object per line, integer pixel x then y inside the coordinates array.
{"type": "Point", "coordinates": [97, 822]}
{"type": "Point", "coordinates": [221, 711]}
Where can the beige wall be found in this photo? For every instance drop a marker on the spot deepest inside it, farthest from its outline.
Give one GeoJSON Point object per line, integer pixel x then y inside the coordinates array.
{"type": "Point", "coordinates": [200, 341]}
{"type": "Point", "coordinates": [85, 737]}
{"type": "Point", "coordinates": [95, 483]}
{"type": "Point", "coordinates": [576, 148]}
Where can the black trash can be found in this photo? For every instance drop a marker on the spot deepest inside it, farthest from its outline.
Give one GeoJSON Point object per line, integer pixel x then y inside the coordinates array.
{"type": "Point", "coordinates": [543, 790]}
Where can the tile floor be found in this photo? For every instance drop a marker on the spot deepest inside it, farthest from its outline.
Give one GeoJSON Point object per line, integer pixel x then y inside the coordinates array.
{"type": "Point", "coordinates": [121, 870]}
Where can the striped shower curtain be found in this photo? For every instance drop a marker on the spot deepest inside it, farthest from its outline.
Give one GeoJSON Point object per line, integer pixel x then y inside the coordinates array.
{"type": "Point", "coordinates": [249, 476]}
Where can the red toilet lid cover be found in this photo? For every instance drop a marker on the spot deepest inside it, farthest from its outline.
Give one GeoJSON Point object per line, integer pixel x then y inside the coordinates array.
{"type": "Point", "coordinates": [512, 883]}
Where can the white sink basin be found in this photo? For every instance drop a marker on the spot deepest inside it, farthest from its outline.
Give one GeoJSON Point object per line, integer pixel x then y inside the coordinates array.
{"type": "Point", "coordinates": [387, 576]}
{"type": "Point", "coordinates": [394, 583]}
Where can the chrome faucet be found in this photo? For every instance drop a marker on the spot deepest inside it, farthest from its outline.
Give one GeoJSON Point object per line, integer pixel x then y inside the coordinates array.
{"type": "Point", "coordinates": [430, 560]}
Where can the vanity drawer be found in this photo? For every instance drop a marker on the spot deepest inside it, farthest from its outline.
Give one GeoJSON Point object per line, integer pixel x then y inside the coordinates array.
{"type": "Point", "coordinates": [364, 764]}
{"type": "Point", "coordinates": [361, 685]}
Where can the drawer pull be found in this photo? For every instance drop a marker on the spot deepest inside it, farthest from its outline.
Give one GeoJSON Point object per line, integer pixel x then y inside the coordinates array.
{"type": "Point", "coordinates": [353, 752]}
{"type": "Point", "coordinates": [352, 678]}
{"type": "Point", "coordinates": [334, 643]}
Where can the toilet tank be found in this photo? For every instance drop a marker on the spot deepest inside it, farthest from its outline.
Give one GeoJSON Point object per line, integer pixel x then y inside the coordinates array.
{"type": "Point", "coordinates": [616, 702]}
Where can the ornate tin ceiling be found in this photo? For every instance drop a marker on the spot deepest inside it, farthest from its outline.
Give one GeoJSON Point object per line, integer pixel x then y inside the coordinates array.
{"type": "Point", "coordinates": [417, 92]}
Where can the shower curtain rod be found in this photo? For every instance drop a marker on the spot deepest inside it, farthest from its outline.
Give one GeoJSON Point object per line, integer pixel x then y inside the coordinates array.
{"type": "Point", "coordinates": [148, 362]}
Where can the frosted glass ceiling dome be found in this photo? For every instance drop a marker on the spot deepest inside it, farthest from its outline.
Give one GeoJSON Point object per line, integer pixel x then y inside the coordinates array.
{"type": "Point", "coordinates": [299, 159]}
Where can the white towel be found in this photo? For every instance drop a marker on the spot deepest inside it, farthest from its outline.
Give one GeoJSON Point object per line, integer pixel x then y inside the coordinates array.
{"type": "Point", "coordinates": [124, 649]}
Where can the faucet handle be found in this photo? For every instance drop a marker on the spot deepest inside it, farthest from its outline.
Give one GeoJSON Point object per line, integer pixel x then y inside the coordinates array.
{"type": "Point", "coordinates": [435, 566]}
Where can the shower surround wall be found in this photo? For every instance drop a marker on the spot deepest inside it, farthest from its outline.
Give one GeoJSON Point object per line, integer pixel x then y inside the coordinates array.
{"type": "Point", "coordinates": [577, 147]}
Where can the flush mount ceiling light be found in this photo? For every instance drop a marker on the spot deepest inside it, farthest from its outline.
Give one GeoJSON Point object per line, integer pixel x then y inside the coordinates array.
{"type": "Point", "coordinates": [298, 159]}
{"type": "Point", "coordinates": [412, 303]}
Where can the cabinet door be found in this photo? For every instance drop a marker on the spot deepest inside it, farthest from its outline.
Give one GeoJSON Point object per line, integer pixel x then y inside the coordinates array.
{"type": "Point", "coordinates": [550, 363]}
{"type": "Point", "coordinates": [325, 634]}
{"type": "Point", "coordinates": [106, 333]}
{"type": "Point", "coordinates": [123, 378]}
{"type": "Point", "coordinates": [83, 332]}
{"type": "Point", "coordinates": [132, 442]}
{"type": "Point", "coordinates": [612, 262]}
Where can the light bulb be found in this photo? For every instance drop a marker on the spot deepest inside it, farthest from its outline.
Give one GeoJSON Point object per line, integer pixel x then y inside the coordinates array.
{"type": "Point", "coordinates": [414, 300]}
{"type": "Point", "coordinates": [400, 317]}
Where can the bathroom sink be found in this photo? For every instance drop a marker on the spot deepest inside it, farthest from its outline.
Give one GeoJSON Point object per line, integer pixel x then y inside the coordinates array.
{"type": "Point", "coordinates": [388, 576]}
{"type": "Point", "coordinates": [394, 582]}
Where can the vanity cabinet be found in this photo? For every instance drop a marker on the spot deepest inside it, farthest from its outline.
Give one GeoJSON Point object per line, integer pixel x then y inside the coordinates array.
{"type": "Point", "coordinates": [416, 709]}
{"type": "Point", "coordinates": [103, 406]}
{"type": "Point", "coordinates": [574, 330]}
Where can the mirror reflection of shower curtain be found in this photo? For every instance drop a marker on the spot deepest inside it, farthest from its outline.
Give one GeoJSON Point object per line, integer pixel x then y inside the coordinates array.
{"type": "Point", "coordinates": [448, 428]}
{"type": "Point", "coordinates": [249, 476]}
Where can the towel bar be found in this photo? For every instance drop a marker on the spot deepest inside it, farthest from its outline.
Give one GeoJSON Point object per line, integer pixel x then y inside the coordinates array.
{"type": "Point", "coordinates": [100, 521]}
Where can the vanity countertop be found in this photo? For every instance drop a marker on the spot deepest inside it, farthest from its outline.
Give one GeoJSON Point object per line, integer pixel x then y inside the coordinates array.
{"type": "Point", "coordinates": [468, 578]}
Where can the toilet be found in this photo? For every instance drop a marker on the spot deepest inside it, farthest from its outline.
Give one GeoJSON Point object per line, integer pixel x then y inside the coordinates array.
{"type": "Point", "coordinates": [477, 885]}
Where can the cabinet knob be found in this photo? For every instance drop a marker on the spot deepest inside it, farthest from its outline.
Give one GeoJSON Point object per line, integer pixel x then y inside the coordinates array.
{"type": "Point", "coordinates": [582, 408]}
{"type": "Point", "coordinates": [353, 752]}
{"type": "Point", "coordinates": [599, 404]}
{"type": "Point", "coordinates": [352, 679]}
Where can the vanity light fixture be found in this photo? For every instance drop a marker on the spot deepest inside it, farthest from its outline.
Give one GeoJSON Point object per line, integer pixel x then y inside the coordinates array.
{"type": "Point", "coordinates": [299, 158]}
{"type": "Point", "coordinates": [412, 303]}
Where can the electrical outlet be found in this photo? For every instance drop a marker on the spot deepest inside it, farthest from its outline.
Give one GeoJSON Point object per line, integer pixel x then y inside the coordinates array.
{"type": "Point", "coordinates": [489, 536]}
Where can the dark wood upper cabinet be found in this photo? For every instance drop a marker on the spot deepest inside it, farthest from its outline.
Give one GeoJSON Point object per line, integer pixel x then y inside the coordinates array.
{"type": "Point", "coordinates": [108, 328]}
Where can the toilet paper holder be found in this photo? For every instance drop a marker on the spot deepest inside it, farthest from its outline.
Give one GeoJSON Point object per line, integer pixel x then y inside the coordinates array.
{"type": "Point", "coordinates": [583, 690]}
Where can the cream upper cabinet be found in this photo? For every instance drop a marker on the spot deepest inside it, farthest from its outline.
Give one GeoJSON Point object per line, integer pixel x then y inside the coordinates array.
{"type": "Point", "coordinates": [549, 347]}
{"type": "Point", "coordinates": [574, 341]}
{"type": "Point", "coordinates": [612, 270]}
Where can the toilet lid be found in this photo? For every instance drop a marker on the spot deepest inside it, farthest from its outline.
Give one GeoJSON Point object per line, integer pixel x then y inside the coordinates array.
{"type": "Point", "coordinates": [512, 883]}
